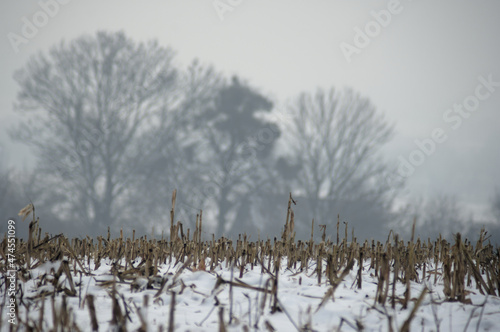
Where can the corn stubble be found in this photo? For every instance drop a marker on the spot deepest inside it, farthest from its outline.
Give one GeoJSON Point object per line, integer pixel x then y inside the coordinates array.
{"type": "Point", "coordinates": [457, 264]}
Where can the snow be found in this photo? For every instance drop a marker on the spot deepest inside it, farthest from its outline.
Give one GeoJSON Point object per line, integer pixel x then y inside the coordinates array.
{"type": "Point", "coordinates": [201, 294]}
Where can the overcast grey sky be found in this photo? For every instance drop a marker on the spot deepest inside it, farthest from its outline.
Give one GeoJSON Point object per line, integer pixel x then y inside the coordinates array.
{"type": "Point", "coordinates": [427, 57]}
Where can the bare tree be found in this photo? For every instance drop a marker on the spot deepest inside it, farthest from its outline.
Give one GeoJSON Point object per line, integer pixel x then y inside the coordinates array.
{"type": "Point", "coordinates": [442, 215]}
{"type": "Point", "coordinates": [178, 162]}
{"type": "Point", "coordinates": [335, 138]}
{"type": "Point", "coordinates": [232, 148]}
{"type": "Point", "coordinates": [433, 216]}
{"type": "Point", "coordinates": [92, 100]}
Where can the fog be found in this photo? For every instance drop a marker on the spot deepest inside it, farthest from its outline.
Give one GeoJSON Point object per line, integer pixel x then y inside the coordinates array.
{"type": "Point", "coordinates": [374, 115]}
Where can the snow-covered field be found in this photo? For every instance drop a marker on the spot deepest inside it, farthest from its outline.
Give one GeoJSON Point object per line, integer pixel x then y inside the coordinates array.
{"type": "Point", "coordinates": [240, 300]}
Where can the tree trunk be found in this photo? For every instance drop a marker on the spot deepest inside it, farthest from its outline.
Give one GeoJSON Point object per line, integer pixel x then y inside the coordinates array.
{"type": "Point", "coordinates": [223, 207]}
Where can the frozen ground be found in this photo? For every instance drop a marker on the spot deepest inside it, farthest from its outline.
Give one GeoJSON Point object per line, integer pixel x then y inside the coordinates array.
{"type": "Point", "coordinates": [202, 296]}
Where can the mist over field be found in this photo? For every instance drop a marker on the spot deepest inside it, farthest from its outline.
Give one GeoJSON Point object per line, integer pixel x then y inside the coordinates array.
{"type": "Point", "coordinates": [374, 115]}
